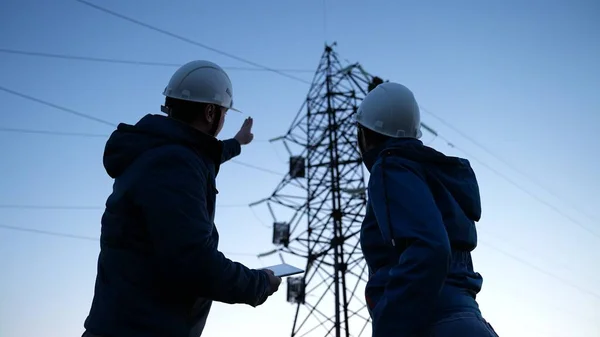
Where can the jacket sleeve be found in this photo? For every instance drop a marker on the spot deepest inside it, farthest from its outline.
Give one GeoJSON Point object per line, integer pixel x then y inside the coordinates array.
{"type": "Point", "coordinates": [231, 149]}
{"type": "Point", "coordinates": [172, 197]}
{"type": "Point", "coordinates": [409, 219]}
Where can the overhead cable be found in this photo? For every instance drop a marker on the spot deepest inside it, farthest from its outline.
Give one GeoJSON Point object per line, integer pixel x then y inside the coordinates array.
{"type": "Point", "coordinates": [188, 40]}
{"type": "Point", "coordinates": [130, 62]}
{"type": "Point", "coordinates": [81, 237]}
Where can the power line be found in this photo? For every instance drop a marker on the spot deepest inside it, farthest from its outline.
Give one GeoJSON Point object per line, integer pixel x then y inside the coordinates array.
{"type": "Point", "coordinates": [86, 116]}
{"type": "Point", "coordinates": [187, 40]}
{"type": "Point", "coordinates": [54, 133]}
{"type": "Point", "coordinates": [74, 134]}
{"type": "Point", "coordinates": [543, 271]}
{"type": "Point", "coordinates": [50, 207]}
{"type": "Point", "coordinates": [57, 234]}
{"type": "Point", "coordinates": [55, 106]}
{"type": "Point", "coordinates": [256, 167]}
{"type": "Point", "coordinates": [85, 208]}
{"type": "Point", "coordinates": [93, 135]}
{"type": "Point", "coordinates": [524, 190]}
{"type": "Point", "coordinates": [129, 62]}
{"type": "Point", "coordinates": [507, 163]}
{"type": "Point", "coordinates": [81, 237]}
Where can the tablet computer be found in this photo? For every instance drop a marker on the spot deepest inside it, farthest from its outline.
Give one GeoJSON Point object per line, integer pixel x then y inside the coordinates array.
{"type": "Point", "coordinates": [284, 269]}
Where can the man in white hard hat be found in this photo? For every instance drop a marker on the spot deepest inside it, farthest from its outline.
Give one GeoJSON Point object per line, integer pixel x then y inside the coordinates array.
{"type": "Point", "coordinates": [419, 229]}
{"type": "Point", "coordinates": [159, 267]}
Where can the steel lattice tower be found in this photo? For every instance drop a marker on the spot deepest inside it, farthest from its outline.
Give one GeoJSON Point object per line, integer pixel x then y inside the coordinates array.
{"type": "Point", "coordinates": [324, 193]}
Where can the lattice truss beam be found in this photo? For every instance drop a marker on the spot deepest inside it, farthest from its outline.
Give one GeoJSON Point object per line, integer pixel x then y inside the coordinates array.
{"type": "Point", "coordinates": [324, 195]}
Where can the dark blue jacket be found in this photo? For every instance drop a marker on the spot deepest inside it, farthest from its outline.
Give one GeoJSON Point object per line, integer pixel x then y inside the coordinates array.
{"type": "Point", "coordinates": [417, 237]}
{"type": "Point", "coordinates": [159, 267]}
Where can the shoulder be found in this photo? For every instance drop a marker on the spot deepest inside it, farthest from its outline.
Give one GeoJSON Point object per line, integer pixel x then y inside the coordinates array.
{"type": "Point", "coordinates": [389, 164]}
{"type": "Point", "coordinates": [174, 153]}
{"type": "Point", "coordinates": [174, 160]}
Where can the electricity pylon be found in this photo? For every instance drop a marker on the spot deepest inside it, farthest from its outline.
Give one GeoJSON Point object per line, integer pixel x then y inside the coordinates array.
{"type": "Point", "coordinates": [324, 193]}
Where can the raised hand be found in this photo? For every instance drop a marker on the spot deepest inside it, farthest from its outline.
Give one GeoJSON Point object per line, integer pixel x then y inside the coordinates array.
{"type": "Point", "coordinates": [245, 136]}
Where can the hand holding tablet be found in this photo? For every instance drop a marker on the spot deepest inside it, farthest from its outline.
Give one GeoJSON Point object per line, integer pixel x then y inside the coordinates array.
{"type": "Point", "coordinates": [284, 269]}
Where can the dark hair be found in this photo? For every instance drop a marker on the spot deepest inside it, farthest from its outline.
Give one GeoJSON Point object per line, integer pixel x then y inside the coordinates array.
{"type": "Point", "coordinates": [374, 83]}
{"type": "Point", "coordinates": [373, 138]}
{"type": "Point", "coordinates": [184, 111]}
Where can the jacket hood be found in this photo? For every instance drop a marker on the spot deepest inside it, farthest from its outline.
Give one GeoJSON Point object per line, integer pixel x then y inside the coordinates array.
{"type": "Point", "coordinates": [454, 173]}
{"type": "Point", "coordinates": [128, 142]}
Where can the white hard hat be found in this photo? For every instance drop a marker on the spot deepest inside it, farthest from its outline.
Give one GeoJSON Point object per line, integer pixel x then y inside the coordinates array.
{"type": "Point", "coordinates": [202, 82]}
{"type": "Point", "coordinates": [392, 110]}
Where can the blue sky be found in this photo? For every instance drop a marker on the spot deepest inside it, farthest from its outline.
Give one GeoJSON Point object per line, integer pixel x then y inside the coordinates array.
{"type": "Point", "coordinates": [519, 77]}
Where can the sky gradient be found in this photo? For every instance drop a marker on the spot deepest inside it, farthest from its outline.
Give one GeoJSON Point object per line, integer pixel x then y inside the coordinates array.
{"type": "Point", "coordinates": [520, 78]}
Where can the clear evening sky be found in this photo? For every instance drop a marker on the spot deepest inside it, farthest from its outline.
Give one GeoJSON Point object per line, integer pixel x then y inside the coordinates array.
{"type": "Point", "coordinates": [520, 78]}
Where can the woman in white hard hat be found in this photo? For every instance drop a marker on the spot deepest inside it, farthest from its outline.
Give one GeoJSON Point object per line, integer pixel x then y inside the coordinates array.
{"type": "Point", "coordinates": [419, 229]}
{"type": "Point", "coordinates": [159, 268]}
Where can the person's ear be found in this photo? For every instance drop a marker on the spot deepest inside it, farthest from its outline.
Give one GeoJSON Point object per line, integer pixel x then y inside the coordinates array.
{"type": "Point", "coordinates": [209, 113]}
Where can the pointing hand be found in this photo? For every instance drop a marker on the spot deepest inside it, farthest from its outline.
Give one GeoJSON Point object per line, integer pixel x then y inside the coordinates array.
{"type": "Point", "coordinates": [245, 136]}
